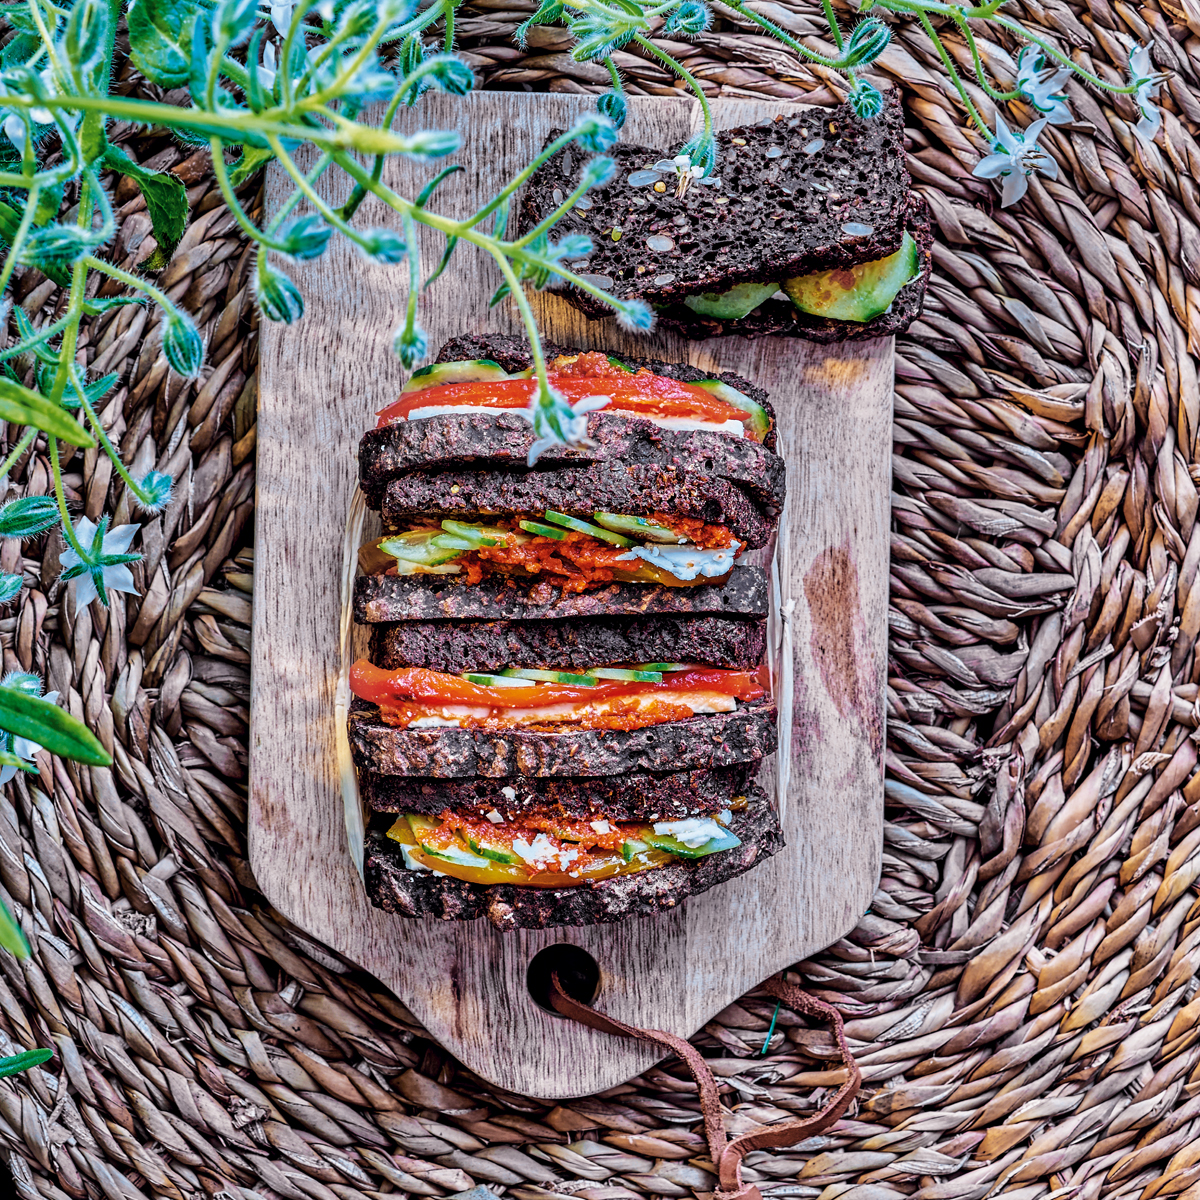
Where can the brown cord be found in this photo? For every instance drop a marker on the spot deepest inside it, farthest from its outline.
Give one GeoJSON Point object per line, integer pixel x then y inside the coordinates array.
{"type": "Point", "coordinates": [726, 1155]}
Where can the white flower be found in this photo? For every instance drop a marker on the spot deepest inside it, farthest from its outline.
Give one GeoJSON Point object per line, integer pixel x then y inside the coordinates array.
{"type": "Point", "coordinates": [114, 575]}
{"type": "Point", "coordinates": [281, 15]}
{"type": "Point", "coordinates": [14, 130]}
{"type": "Point", "coordinates": [574, 428]}
{"type": "Point", "coordinates": [267, 71]}
{"type": "Point", "coordinates": [24, 748]}
{"type": "Point", "coordinates": [1147, 80]}
{"type": "Point", "coordinates": [1041, 85]}
{"type": "Point", "coordinates": [1015, 156]}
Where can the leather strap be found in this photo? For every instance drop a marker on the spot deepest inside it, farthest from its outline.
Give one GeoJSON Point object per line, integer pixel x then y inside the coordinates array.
{"type": "Point", "coordinates": [726, 1155]}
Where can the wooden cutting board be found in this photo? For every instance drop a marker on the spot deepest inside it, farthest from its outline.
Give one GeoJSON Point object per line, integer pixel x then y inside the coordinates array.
{"type": "Point", "coordinates": [320, 383]}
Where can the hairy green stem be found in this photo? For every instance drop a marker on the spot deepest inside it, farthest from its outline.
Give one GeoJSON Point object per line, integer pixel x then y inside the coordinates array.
{"type": "Point", "coordinates": [684, 74]}
{"type": "Point", "coordinates": [102, 437]}
{"type": "Point", "coordinates": [67, 527]}
{"type": "Point", "coordinates": [948, 63]}
{"type": "Point", "coordinates": [19, 449]}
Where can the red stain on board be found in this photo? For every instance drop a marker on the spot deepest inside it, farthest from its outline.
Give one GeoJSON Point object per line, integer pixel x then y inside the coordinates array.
{"type": "Point", "coordinates": [839, 642]}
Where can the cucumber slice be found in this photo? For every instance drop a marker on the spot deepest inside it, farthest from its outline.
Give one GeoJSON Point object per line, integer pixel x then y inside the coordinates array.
{"type": "Point", "coordinates": [626, 673]}
{"type": "Point", "coordinates": [501, 681]}
{"type": "Point", "coordinates": [551, 531]}
{"type": "Point", "coordinates": [427, 551]}
{"type": "Point", "coordinates": [478, 370]}
{"type": "Point", "coordinates": [860, 293]}
{"type": "Point", "coordinates": [616, 362]}
{"type": "Point", "coordinates": [422, 827]}
{"type": "Point", "coordinates": [550, 676]}
{"type": "Point", "coordinates": [662, 841]}
{"type": "Point", "coordinates": [668, 667]}
{"type": "Point", "coordinates": [733, 304]}
{"type": "Point", "coordinates": [475, 535]}
{"type": "Point", "coordinates": [756, 419]}
{"type": "Point", "coordinates": [605, 535]}
{"type": "Point", "coordinates": [639, 527]}
{"type": "Point", "coordinates": [492, 850]}
{"type": "Point", "coordinates": [632, 846]}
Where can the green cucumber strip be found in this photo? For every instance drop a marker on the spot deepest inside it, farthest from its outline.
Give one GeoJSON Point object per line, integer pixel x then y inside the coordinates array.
{"type": "Point", "coordinates": [484, 680]}
{"type": "Point", "coordinates": [494, 853]}
{"type": "Point", "coordinates": [756, 416]}
{"type": "Point", "coordinates": [550, 676]}
{"type": "Point", "coordinates": [639, 527]}
{"type": "Point", "coordinates": [479, 370]}
{"type": "Point", "coordinates": [630, 847]}
{"type": "Point", "coordinates": [662, 841]}
{"type": "Point", "coordinates": [605, 535]}
{"type": "Point", "coordinates": [668, 667]}
{"type": "Point", "coordinates": [616, 362]}
{"type": "Point", "coordinates": [478, 535]}
{"type": "Point", "coordinates": [427, 554]}
{"type": "Point", "coordinates": [626, 673]}
{"type": "Point", "coordinates": [543, 530]}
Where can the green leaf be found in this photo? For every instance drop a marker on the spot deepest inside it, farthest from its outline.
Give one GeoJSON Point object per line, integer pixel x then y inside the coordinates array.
{"type": "Point", "coordinates": [28, 516]}
{"type": "Point", "coordinates": [10, 587]}
{"type": "Point", "coordinates": [166, 197]}
{"type": "Point", "coordinates": [101, 304]}
{"type": "Point", "coordinates": [49, 202]}
{"type": "Point", "coordinates": [22, 1062]}
{"type": "Point", "coordinates": [432, 185]}
{"type": "Point", "coordinates": [251, 160]}
{"type": "Point", "coordinates": [23, 406]}
{"type": "Point", "coordinates": [51, 727]}
{"type": "Point", "coordinates": [160, 39]}
{"type": "Point", "coordinates": [86, 41]}
{"type": "Point", "coordinates": [12, 936]}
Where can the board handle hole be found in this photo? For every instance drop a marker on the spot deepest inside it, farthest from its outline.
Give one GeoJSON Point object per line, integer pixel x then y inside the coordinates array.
{"type": "Point", "coordinates": [578, 972]}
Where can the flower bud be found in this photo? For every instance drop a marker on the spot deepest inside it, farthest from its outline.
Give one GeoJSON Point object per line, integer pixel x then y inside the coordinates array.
{"type": "Point", "coordinates": [612, 105]}
{"type": "Point", "coordinates": [278, 296]}
{"type": "Point", "coordinates": [306, 237]}
{"type": "Point", "coordinates": [182, 345]}
{"type": "Point", "coordinates": [867, 41]}
{"type": "Point", "coordinates": [865, 99]}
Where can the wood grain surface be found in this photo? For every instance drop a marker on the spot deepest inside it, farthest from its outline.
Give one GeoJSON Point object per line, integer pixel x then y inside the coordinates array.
{"type": "Point", "coordinates": [321, 381]}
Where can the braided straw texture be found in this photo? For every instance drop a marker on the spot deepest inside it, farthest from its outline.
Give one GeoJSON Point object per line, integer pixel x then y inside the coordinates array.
{"type": "Point", "coordinates": [1020, 996]}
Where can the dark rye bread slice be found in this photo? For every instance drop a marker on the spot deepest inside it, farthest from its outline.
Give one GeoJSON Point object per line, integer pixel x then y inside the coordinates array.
{"type": "Point", "coordinates": [816, 190]}
{"type": "Point", "coordinates": [637, 489]}
{"type": "Point", "coordinates": [448, 752]}
{"type": "Point", "coordinates": [513, 354]}
{"type": "Point", "coordinates": [458, 646]}
{"type": "Point", "coordinates": [379, 598]}
{"type": "Point", "coordinates": [781, 318]}
{"type": "Point", "coordinates": [634, 796]}
{"type": "Point", "coordinates": [394, 888]}
{"type": "Point", "coordinates": [450, 440]}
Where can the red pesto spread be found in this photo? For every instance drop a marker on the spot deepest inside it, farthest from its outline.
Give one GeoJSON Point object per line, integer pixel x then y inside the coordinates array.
{"type": "Point", "coordinates": [411, 693]}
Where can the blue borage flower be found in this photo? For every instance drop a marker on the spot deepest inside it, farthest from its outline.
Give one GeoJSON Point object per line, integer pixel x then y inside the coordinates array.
{"type": "Point", "coordinates": [108, 550]}
{"type": "Point", "coordinates": [1041, 84]}
{"type": "Point", "coordinates": [1147, 81]}
{"type": "Point", "coordinates": [1015, 156]}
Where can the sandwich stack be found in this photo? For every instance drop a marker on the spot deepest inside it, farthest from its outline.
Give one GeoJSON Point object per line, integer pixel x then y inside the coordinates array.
{"type": "Point", "coordinates": [565, 705]}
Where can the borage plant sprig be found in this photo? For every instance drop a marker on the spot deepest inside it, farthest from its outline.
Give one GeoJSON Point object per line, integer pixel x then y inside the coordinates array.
{"type": "Point", "coordinates": [260, 86]}
{"type": "Point", "coordinates": [603, 27]}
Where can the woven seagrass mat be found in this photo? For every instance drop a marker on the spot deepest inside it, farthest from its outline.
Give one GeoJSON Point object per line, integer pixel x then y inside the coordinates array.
{"type": "Point", "coordinates": [1020, 995]}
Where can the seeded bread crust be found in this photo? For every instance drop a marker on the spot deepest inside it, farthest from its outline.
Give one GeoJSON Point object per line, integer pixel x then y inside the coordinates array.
{"type": "Point", "coordinates": [636, 796]}
{"type": "Point", "coordinates": [798, 194]}
{"type": "Point", "coordinates": [453, 441]}
{"type": "Point", "coordinates": [394, 888]}
{"type": "Point", "coordinates": [448, 752]}
{"type": "Point", "coordinates": [379, 598]}
{"type": "Point", "coordinates": [457, 646]}
{"type": "Point", "coordinates": [513, 354]}
{"type": "Point", "coordinates": [781, 318]}
{"type": "Point", "coordinates": [638, 489]}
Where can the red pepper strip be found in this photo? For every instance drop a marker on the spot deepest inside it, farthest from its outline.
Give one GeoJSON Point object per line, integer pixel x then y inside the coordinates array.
{"type": "Point", "coordinates": [643, 393]}
{"type": "Point", "coordinates": [418, 684]}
